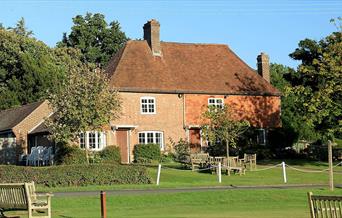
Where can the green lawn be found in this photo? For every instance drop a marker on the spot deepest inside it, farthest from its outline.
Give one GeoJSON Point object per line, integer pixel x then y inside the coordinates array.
{"type": "Point", "coordinates": [171, 177]}
{"type": "Point", "coordinates": [290, 203]}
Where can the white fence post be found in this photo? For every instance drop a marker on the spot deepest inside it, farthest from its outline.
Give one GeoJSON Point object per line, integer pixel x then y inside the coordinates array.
{"type": "Point", "coordinates": [284, 171]}
{"type": "Point", "coordinates": [158, 174]}
{"type": "Point", "coordinates": [219, 172]}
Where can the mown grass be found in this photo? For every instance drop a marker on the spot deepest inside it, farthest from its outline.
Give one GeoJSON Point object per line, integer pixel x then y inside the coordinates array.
{"type": "Point", "coordinates": [281, 203]}
{"type": "Point", "coordinates": [174, 177]}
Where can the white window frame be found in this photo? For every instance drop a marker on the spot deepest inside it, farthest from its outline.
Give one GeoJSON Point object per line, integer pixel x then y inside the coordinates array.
{"type": "Point", "coordinates": [99, 144]}
{"type": "Point", "coordinates": [154, 140]}
{"type": "Point", "coordinates": [216, 103]}
{"type": "Point", "coordinates": [148, 104]}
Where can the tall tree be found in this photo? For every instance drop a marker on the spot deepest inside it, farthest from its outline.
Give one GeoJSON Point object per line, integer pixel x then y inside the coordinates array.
{"type": "Point", "coordinates": [318, 88]}
{"type": "Point", "coordinates": [293, 125]}
{"type": "Point", "coordinates": [97, 40]}
{"type": "Point", "coordinates": [21, 29]}
{"type": "Point", "coordinates": [28, 68]}
{"type": "Point", "coordinates": [219, 124]}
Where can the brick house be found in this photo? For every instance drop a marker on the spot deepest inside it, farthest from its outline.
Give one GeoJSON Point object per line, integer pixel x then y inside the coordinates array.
{"type": "Point", "coordinates": [18, 130]}
{"type": "Point", "coordinates": [165, 86]}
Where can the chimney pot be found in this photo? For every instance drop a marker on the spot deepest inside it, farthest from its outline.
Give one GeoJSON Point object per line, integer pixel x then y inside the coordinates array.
{"type": "Point", "coordinates": [264, 66]}
{"type": "Point", "coordinates": [152, 36]}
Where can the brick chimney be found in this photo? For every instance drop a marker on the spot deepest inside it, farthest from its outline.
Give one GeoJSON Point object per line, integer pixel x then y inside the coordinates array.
{"type": "Point", "coordinates": [152, 36]}
{"type": "Point", "coordinates": [264, 66]}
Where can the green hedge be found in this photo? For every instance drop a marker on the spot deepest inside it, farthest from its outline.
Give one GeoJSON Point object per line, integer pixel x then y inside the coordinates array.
{"type": "Point", "coordinates": [111, 154]}
{"type": "Point", "coordinates": [76, 175]}
{"type": "Point", "coordinates": [145, 153]}
{"type": "Point", "coordinates": [71, 155]}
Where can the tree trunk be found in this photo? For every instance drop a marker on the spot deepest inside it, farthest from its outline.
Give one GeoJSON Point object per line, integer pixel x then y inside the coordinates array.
{"type": "Point", "coordinates": [227, 146]}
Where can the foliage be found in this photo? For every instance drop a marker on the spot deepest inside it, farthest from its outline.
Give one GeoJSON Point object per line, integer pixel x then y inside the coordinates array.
{"type": "Point", "coordinates": [97, 40]}
{"type": "Point", "coordinates": [111, 154]}
{"type": "Point", "coordinates": [76, 175]}
{"type": "Point", "coordinates": [293, 125]}
{"type": "Point", "coordinates": [88, 105]}
{"type": "Point", "coordinates": [21, 29]}
{"type": "Point", "coordinates": [219, 124]}
{"type": "Point", "coordinates": [69, 155]}
{"type": "Point", "coordinates": [146, 153]}
{"type": "Point", "coordinates": [318, 86]}
{"type": "Point", "coordinates": [181, 150]}
{"type": "Point", "coordinates": [28, 68]}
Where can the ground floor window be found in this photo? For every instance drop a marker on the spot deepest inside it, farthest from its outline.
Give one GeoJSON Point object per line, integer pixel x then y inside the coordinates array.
{"type": "Point", "coordinates": [93, 140]}
{"type": "Point", "coordinates": [261, 136]}
{"type": "Point", "coordinates": [154, 137]}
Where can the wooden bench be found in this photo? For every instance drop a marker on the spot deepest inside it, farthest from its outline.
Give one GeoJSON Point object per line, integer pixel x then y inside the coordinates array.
{"type": "Point", "coordinates": [325, 206]}
{"type": "Point", "coordinates": [198, 160]}
{"type": "Point", "coordinates": [248, 159]}
{"type": "Point", "coordinates": [232, 164]}
{"type": "Point", "coordinates": [23, 196]}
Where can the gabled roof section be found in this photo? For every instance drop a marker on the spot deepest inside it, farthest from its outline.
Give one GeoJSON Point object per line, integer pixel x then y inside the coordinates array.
{"type": "Point", "coordinates": [184, 68]}
{"type": "Point", "coordinates": [11, 117]}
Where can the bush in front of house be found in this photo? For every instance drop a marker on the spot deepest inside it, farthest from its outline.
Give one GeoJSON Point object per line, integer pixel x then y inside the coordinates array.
{"type": "Point", "coordinates": [76, 175]}
{"type": "Point", "coordinates": [68, 155]}
{"type": "Point", "coordinates": [146, 153]}
{"type": "Point", "coordinates": [111, 154]}
{"type": "Point", "coordinates": [181, 151]}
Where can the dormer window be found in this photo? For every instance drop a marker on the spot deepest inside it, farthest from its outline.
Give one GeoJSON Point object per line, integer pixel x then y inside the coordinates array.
{"type": "Point", "coordinates": [215, 102]}
{"type": "Point", "coordinates": [148, 105]}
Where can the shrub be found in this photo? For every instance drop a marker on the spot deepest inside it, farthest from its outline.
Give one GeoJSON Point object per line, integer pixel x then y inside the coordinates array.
{"type": "Point", "coordinates": [70, 155]}
{"type": "Point", "coordinates": [111, 154]}
{"type": "Point", "coordinates": [146, 153]}
{"type": "Point", "coordinates": [76, 175]}
{"type": "Point", "coordinates": [182, 151]}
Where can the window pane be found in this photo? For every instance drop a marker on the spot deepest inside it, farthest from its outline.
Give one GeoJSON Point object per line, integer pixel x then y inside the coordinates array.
{"type": "Point", "coordinates": [144, 101]}
{"type": "Point", "coordinates": [158, 138]}
{"type": "Point", "coordinates": [92, 141]}
{"type": "Point", "coordinates": [141, 138]}
{"type": "Point", "coordinates": [151, 108]}
{"type": "Point", "coordinates": [211, 100]}
{"type": "Point", "coordinates": [149, 137]}
{"type": "Point", "coordinates": [151, 101]}
{"type": "Point", "coordinates": [82, 140]}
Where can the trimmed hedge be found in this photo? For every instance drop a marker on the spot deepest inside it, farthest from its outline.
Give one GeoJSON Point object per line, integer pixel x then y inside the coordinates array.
{"type": "Point", "coordinates": [71, 155]}
{"type": "Point", "coordinates": [145, 153]}
{"type": "Point", "coordinates": [111, 154]}
{"type": "Point", "coordinates": [76, 175]}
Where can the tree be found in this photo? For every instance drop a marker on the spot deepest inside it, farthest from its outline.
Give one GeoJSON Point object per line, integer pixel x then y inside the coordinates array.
{"type": "Point", "coordinates": [293, 125]}
{"type": "Point", "coordinates": [219, 124]}
{"type": "Point", "coordinates": [28, 68]}
{"type": "Point", "coordinates": [97, 40]}
{"type": "Point", "coordinates": [318, 88]}
{"type": "Point", "coordinates": [85, 102]}
{"type": "Point", "coordinates": [21, 29]}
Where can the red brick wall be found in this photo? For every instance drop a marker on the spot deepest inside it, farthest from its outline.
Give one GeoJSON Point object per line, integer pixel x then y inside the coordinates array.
{"type": "Point", "coordinates": [260, 111]}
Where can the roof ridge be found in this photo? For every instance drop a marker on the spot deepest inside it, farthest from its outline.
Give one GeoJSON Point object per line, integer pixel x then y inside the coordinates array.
{"type": "Point", "coordinates": [186, 43]}
{"type": "Point", "coordinates": [24, 105]}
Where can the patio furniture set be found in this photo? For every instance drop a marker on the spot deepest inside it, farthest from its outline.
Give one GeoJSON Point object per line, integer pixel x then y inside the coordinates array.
{"type": "Point", "coordinates": [230, 164]}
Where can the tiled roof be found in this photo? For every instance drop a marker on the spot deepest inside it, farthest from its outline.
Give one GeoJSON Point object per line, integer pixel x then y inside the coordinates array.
{"type": "Point", "coordinates": [11, 117]}
{"type": "Point", "coordinates": [184, 68]}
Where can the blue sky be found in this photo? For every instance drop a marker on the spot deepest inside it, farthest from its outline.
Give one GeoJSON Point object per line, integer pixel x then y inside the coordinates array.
{"type": "Point", "coordinates": [247, 26]}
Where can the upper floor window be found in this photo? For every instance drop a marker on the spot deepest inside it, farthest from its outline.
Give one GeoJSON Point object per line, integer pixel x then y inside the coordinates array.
{"type": "Point", "coordinates": [215, 102]}
{"type": "Point", "coordinates": [152, 137]}
{"type": "Point", "coordinates": [148, 105]}
{"type": "Point", "coordinates": [92, 140]}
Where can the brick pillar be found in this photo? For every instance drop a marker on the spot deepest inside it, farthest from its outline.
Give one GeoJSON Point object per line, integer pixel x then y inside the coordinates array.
{"type": "Point", "coordinates": [152, 36]}
{"type": "Point", "coordinates": [264, 66]}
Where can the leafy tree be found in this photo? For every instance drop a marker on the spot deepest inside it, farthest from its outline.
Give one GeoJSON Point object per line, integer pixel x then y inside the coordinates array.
{"type": "Point", "coordinates": [293, 125]}
{"type": "Point", "coordinates": [218, 123]}
{"type": "Point", "coordinates": [84, 102]}
{"type": "Point", "coordinates": [318, 88]}
{"type": "Point", "coordinates": [28, 68]}
{"type": "Point", "coordinates": [97, 40]}
{"type": "Point", "coordinates": [21, 28]}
